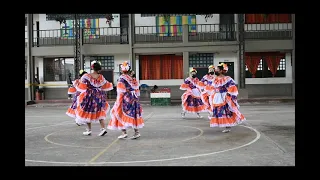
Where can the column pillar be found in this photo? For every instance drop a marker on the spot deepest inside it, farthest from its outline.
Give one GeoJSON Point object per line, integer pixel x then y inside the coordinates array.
{"type": "Point", "coordinates": [185, 33]}
{"type": "Point", "coordinates": [185, 64]}
{"type": "Point", "coordinates": [30, 57]}
{"type": "Point", "coordinates": [293, 56]}
{"type": "Point", "coordinates": [137, 68]}
{"type": "Point", "coordinates": [131, 32]}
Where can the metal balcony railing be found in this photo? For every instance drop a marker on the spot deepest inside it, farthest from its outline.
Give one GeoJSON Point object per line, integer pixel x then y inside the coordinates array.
{"type": "Point", "coordinates": [111, 35]}
{"type": "Point", "coordinates": [275, 31]}
{"type": "Point", "coordinates": [149, 34]}
{"type": "Point", "coordinates": [212, 32]}
{"type": "Point", "coordinates": [160, 34]}
{"type": "Point", "coordinates": [53, 37]}
{"type": "Point", "coordinates": [59, 37]}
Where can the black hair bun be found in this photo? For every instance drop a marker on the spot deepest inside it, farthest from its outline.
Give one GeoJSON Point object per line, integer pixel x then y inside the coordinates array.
{"type": "Point", "coordinates": [96, 67]}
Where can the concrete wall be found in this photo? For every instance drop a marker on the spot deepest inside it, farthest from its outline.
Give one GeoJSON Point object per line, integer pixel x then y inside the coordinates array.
{"type": "Point", "coordinates": [26, 92]}
{"type": "Point", "coordinates": [269, 90]}
{"type": "Point", "coordinates": [254, 90]}
{"type": "Point", "coordinates": [92, 49]}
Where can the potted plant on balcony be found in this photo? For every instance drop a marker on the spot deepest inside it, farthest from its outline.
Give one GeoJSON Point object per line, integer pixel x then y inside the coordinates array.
{"type": "Point", "coordinates": [265, 17]}
{"type": "Point", "coordinates": [207, 16]}
{"type": "Point", "coordinates": [166, 17]}
{"type": "Point", "coordinates": [61, 20]}
{"type": "Point", "coordinates": [109, 18]}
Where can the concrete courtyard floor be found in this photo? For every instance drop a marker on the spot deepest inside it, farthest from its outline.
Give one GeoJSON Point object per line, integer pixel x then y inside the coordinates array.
{"type": "Point", "coordinates": [267, 138]}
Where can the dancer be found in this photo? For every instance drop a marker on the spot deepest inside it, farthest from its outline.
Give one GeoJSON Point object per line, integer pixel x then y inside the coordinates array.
{"type": "Point", "coordinates": [73, 90]}
{"type": "Point", "coordinates": [206, 80]}
{"type": "Point", "coordinates": [127, 110]}
{"type": "Point", "coordinates": [223, 100]}
{"type": "Point", "coordinates": [191, 99]}
{"type": "Point", "coordinates": [92, 105]}
{"type": "Point", "coordinates": [133, 75]}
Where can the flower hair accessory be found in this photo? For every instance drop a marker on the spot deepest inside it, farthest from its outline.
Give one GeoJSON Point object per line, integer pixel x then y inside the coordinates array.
{"type": "Point", "coordinates": [211, 68]}
{"type": "Point", "coordinates": [225, 66]}
{"type": "Point", "coordinates": [125, 66]}
{"type": "Point", "coordinates": [93, 62]}
{"type": "Point", "coordinates": [192, 70]}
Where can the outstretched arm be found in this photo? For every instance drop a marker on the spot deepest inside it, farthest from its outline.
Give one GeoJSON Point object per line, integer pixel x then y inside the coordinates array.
{"type": "Point", "coordinates": [108, 86]}
{"type": "Point", "coordinates": [185, 85]}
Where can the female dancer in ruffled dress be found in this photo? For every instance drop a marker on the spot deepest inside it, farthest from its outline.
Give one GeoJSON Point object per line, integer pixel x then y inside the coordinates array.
{"type": "Point", "coordinates": [206, 80]}
{"type": "Point", "coordinates": [191, 99]}
{"type": "Point", "coordinates": [92, 105]}
{"type": "Point", "coordinates": [127, 110]}
{"type": "Point", "coordinates": [73, 90]}
{"type": "Point", "coordinates": [223, 99]}
{"type": "Point", "coordinates": [133, 75]}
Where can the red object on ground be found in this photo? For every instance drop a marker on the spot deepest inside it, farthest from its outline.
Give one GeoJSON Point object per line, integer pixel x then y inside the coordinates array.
{"type": "Point", "coordinates": [38, 96]}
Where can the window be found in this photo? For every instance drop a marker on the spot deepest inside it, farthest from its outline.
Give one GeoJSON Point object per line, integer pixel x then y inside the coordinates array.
{"type": "Point", "coordinates": [58, 69]}
{"type": "Point", "coordinates": [267, 18]}
{"type": "Point", "coordinates": [201, 60]}
{"type": "Point", "coordinates": [156, 67]}
{"type": "Point", "coordinates": [107, 62]}
{"type": "Point", "coordinates": [266, 60]}
{"type": "Point", "coordinates": [26, 68]}
{"type": "Point", "coordinates": [25, 21]}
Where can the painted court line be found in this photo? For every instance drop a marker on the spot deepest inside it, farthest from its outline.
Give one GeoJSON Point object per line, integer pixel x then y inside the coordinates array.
{"type": "Point", "coordinates": [258, 135]}
{"type": "Point", "coordinates": [46, 138]}
{"type": "Point", "coordinates": [59, 124]}
{"type": "Point", "coordinates": [106, 149]}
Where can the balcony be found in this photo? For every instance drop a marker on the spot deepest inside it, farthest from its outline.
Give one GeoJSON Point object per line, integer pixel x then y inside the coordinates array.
{"type": "Point", "coordinates": [277, 31]}
{"type": "Point", "coordinates": [212, 32]}
{"type": "Point", "coordinates": [106, 36]}
{"type": "Point", "coordinates": [65, 37]}
{"type": "Point", "coordinates": [158, 34]}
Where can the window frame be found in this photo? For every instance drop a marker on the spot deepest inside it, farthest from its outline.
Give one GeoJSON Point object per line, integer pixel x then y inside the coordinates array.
{"type": "Point", "coordinates": [194, 58]}
{"type": "Point", "coordinates": [64, 70]}
{"type": "Point", "coordinates": [264, 72]}
{"type": "Point", "coordinates": [104, 60]}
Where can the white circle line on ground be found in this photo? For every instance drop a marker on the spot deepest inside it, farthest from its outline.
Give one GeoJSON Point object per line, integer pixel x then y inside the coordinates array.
{"type": "Point", "coordinates": [68, 122]}
{"type": "Point", "coordinates": [258, 135]}
{"type": "Point", "coordinates": [46, 138]}
{"type": "Point", "coordinates": [59, 124]}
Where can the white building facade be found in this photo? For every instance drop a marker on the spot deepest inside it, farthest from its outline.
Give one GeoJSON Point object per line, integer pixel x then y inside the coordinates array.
{"type": "Point", "coordinates": [162, 50]}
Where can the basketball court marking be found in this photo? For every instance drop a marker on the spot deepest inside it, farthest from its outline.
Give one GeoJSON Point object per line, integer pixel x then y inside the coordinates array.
{"type": "Point", "coordinates": [258, 135]}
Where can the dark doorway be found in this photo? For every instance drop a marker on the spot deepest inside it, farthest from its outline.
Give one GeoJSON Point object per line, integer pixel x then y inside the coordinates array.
{"type": "Point", "coordinates": [227, 27]}
{"type": "Point", "coordinates": [230, 69]}
{"type": "Point", "coordinates": [201, 72]}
